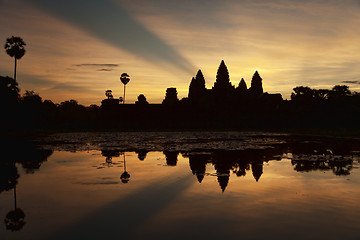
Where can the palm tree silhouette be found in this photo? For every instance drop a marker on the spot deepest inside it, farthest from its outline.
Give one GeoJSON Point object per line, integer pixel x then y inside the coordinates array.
{"type": "Point", "coordinates": [124, 78]}
{"type": "Point", "coordinates": [14, 47]}
{"type": "Point", "coordinates": [125, 176]}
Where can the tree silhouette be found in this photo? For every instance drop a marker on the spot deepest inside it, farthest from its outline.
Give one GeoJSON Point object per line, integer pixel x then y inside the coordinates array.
{"type": "Point", "coordinates": [31, 97]}
{"type": "Point", "coordinates": [124, 78]}
{"type": "Point", "coordinates": [14, 47]}
{"type": "Point", "coordinates": [141, 100]}
{"type": "Point", "coordinates": [108, 94]}
{"type": "Point", "coordinates": [302, 94]}
{"type": "Point", "coordinates": [9, 91]}
{"type": "Point", "coordinates": [339, 91]}
{"type": "Point", "coordinates": [321, 94]}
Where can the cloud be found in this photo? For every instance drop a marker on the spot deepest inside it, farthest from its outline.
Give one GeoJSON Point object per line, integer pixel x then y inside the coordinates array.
{"type": "Point", "coordinates": [110, 22]}
{"type": "Point", "coordinates": [98, 183]}
{"type": "Point", "coordinates": [99, 67]}
{"type": "Point", "coordinates": [351, 82]}
{"type": "Point", "coordinates": [95, 65]}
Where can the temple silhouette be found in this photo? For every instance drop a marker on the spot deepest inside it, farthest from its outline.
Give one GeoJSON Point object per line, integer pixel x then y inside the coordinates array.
{"type": "Point", "coordinates": [222, 94]}
{"type": "Point", "coordinates": [224, 106]}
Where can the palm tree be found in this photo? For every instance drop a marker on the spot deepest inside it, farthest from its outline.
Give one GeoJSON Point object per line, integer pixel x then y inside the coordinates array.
{"type": "Point", "coordinates": [124, 78]}
{"type": "Point", "coordinates": [109, 95]}
{"type": "Point", "coordinates": [14, 47]}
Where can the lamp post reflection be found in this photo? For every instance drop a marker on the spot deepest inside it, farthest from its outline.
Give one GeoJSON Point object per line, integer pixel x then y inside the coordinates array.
{"type": "Point", "coordinates": [125, 176]}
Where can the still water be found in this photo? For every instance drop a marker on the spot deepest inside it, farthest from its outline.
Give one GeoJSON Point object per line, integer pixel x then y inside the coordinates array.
{"type": "Point", "coordinates": [180, 186]}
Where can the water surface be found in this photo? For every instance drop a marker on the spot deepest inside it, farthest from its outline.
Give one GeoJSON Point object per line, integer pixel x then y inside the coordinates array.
{"type": "Point", "coordinates": [181, 185]}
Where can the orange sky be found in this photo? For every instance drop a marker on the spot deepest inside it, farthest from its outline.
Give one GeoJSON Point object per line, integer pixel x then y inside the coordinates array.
{"type": "Point", "coordinates": [78, 49]}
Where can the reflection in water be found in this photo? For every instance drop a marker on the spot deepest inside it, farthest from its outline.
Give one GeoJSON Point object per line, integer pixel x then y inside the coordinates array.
{"type": "Point", "coordinates": [240, 168]}
{"type": "Point", "coordinates": [171, 157]}
{"type": "Point", "coordinates": [257, 170]}
{"type": "Point", "coordinates": [242, 161]}
{"type": "Point", "coordinates": [8, 175]}
{"type": "Point", "coordinates": [26, 154]}
{"type": "Point", "coordinates": [225, 162]}
{"type": "Point", "coordinates": [141, 154]}
{"type": "Point", "coordinates": [125, 176]}
{"type": "Point", "coordinates": [109, 154]}
{"type": "Point", "coordinates": [340, 165]}
{"type": "Point", "coordinates": [188, 209]}
{"type": "Point", "coordinates": [15, 219]}
{"type": "Point", "coordinates": [197, 164]}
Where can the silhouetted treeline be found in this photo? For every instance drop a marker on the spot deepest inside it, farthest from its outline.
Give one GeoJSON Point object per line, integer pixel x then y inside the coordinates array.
{"type": "Point", "coordinates": [222, 107]}
{"type": "Point", "coordinates": [323, 108]}
{"type": "Point", "coordinates": [31, 112]}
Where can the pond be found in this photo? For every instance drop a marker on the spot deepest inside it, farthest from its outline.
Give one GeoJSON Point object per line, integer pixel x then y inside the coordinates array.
{"type": "Point", "coordinates": [173, 185]}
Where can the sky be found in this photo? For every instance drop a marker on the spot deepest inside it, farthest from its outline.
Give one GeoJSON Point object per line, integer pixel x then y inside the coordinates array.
{"type": "Point", "coordinates": [77, 49]}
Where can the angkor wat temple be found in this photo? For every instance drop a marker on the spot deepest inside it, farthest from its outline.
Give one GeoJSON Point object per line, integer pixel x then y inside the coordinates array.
{"type": "Point", "coordinates": [224, 93]}
{"type": "Point", "coordinates": [224, 106]}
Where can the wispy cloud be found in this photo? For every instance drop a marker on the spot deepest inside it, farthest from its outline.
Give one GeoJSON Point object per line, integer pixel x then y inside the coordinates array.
{"type": "Point", "coordinates": [98, 183]}
{"type": "Point", "coordinates": [100, 67]}
{"type": "Point", "coordinates": [351, 82]}
{"type": "Point", "coordinates": [95, 65]}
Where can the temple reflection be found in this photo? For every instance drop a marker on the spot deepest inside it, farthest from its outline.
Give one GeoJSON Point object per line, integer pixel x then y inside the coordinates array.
{"type": "Point", "coordinates": [197, 164]}
{"type": "Point", "coordinates": [227, 162]}
{"type": "Point", "coordinates": [304, 157]}
{"type": "Point", "coordinates": [171, 157]}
